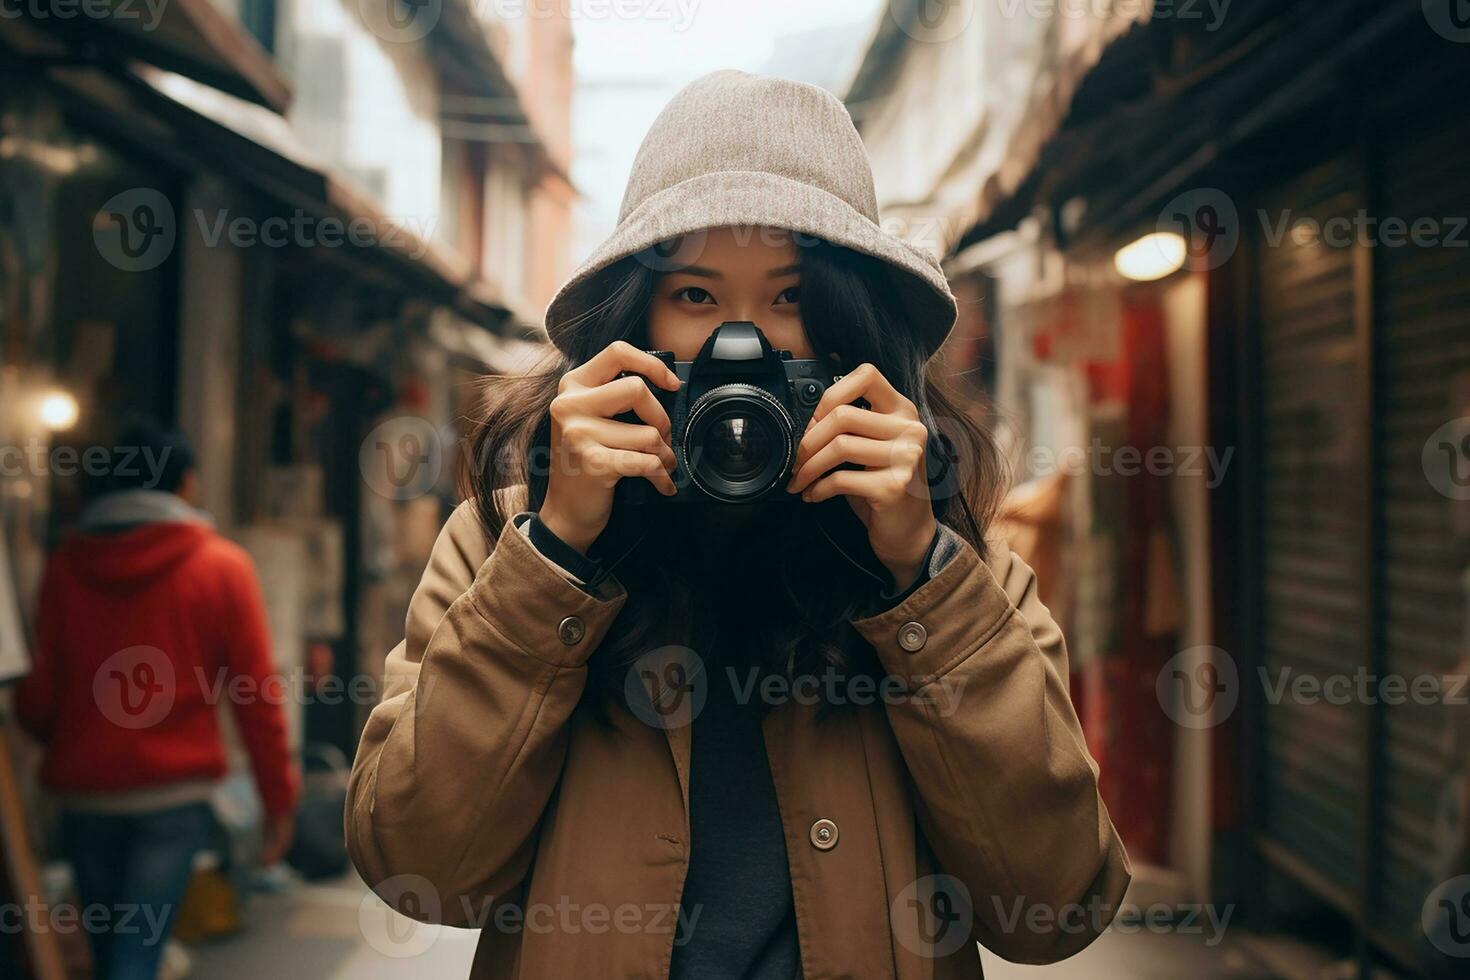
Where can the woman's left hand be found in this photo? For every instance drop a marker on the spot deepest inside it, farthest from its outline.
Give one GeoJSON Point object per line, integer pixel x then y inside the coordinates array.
{"type": "Point", "coordinates": [890, 495]}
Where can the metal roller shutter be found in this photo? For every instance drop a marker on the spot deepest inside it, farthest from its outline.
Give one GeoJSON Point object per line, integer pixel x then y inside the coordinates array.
{"type": "Point", "coordinates": [1423, 355]}
{"type": "Point", "coordinates": [1313, 532]}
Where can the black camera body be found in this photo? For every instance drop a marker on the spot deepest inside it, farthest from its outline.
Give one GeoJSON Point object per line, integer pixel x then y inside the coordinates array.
{"type": "Point", "coordinates": [737, 418]}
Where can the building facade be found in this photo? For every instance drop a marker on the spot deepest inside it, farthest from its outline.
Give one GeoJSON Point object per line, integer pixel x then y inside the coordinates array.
{"type": "Point", "coordinates": [300, 232]}
{"type": "Point", "coordinates": [1233, 238]}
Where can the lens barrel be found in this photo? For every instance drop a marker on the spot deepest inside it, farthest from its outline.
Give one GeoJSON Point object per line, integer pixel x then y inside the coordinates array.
{"type": "Point", "coordinates": [739, 442]}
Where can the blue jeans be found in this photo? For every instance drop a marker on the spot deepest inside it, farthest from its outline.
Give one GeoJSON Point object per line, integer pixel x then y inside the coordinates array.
{"type": "Point", "coordinates": [131, 871]}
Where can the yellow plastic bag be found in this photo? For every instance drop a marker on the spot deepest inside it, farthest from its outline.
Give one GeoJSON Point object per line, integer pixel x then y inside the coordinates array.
{"type": "Point", "coordinates": [209, 910]}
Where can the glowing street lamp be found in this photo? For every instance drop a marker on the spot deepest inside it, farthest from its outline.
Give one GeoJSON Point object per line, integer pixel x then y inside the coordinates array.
{"type": "Point", "coordinates": [1152, 257]}
{"type": "Point", "coordinates": [58, 410]}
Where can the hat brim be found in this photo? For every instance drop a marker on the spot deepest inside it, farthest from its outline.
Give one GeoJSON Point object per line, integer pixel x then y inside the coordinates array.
{"type": "Point", "coordinates": [757, 198]}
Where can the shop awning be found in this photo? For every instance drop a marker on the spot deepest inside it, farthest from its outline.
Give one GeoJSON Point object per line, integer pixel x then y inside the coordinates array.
{"type": "Point", "coordinates": [1083, 48]}
{"type": "Point", "coordinates": [1081, 44]}
{"type": "Point", "coordinates": [485, 350]}
{"type": "Point", "coordinates": [1135, 114]}
{"type": "Point", "coordinates": [261, 149]}
{"type": "Point", "coordinates": [191, 37]}
{"type": "Point", "coordinates": [488, 107]}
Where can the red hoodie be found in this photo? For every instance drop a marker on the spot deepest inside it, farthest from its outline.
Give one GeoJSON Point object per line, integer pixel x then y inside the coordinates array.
{"type": "Point", "coordinates": [141, 634]}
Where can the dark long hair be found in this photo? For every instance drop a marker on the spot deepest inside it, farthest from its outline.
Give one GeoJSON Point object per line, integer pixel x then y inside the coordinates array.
{"type": "Point", "coordinates": [804, 604]}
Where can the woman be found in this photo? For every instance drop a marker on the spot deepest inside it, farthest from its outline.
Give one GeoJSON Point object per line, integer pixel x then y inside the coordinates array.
{"type": "Point", "coordinates": [826, 735]}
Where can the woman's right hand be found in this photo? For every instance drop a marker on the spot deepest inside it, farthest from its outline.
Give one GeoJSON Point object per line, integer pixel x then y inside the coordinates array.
{"type": "Point", "coordinates": [591, 451]}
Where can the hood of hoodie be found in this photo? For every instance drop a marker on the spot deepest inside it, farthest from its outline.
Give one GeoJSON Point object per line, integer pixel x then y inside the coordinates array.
{"type": "Point", "coordinates": [128, 540]}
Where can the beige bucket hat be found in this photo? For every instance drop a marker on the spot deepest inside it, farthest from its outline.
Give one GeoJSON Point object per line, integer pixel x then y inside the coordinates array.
{"type": "Point", "coordinates": [733, 148]}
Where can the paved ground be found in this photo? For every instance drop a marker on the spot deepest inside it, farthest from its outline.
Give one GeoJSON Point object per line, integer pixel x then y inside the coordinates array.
{"type": "Point", "coordinates": [339, 931]}
{"type": "Point", "coordinates": [1142, 956]}
{"type": "Point", "coordinates": [336, 931]}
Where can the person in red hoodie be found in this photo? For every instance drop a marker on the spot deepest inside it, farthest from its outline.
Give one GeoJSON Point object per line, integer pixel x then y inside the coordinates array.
{"type": "Point", "coordinates": [147, 620]}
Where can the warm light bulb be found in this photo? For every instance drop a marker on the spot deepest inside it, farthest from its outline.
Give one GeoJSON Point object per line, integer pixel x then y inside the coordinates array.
{"type": "Point", "coordinates": [1152, 257]}
{"type": "Point", "coordinates": [58, 410]}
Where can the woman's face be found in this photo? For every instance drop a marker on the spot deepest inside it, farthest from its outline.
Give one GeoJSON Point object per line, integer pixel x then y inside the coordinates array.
{"type": "Point", "coordinates": [740, 273]}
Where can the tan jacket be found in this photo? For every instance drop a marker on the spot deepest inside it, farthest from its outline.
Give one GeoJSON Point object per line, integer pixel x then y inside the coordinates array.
{"type": "Point", "coordinates": [481, 796]}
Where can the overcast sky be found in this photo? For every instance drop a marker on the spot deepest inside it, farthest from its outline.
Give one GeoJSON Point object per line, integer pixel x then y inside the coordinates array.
{"type": "Point", "coordinates": [627, 67]}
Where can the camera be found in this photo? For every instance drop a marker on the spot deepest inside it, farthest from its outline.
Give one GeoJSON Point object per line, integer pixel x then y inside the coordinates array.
{"type": "Point", "coordinates": [736, 419]}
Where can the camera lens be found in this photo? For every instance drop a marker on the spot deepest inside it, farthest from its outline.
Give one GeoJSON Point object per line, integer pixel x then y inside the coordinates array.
{"type": "Point", "coordinates": [738, 442]}
{"type": "Point", "coordinates": [738, 446]}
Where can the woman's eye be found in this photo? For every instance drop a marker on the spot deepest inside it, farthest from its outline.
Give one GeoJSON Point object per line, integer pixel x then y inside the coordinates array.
{"type": "Point", "coordinates": [694, 294]}
{"type": "Point", "coordinates": [791, 294]}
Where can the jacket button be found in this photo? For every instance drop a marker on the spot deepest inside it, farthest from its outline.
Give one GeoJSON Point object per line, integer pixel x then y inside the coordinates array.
{"type": "Point", "coordinates": [571, 630]}
{"type": "Point", "coordinates": [824, 835]}
{"type": "Point", "coordinates": [912, 635]}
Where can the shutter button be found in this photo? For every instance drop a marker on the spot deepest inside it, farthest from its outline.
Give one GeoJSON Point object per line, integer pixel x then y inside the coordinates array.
{"type": "Point", "coordinates": [824, 835]}
{"type": "Point", "coordinates": [911, 636]}
{"type": "Point", "coordinates": [571, 630]}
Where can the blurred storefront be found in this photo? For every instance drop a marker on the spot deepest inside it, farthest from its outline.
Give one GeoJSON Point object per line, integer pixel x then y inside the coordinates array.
{"type": "Point", "coordinates": [1069, 365]}
{"type": "Point", "coordinates": [174, 243]}
{"type": "Point", "coordinates": [1290, 343]}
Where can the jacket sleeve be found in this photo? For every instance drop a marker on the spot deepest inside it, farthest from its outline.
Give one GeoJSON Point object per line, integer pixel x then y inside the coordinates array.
{"type": "Point", "coordinates": [458, 761]}
{"type": "Point", "coordinates": [1006, 791]}
{"type": "Point", "coordinates": [261, 720]}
